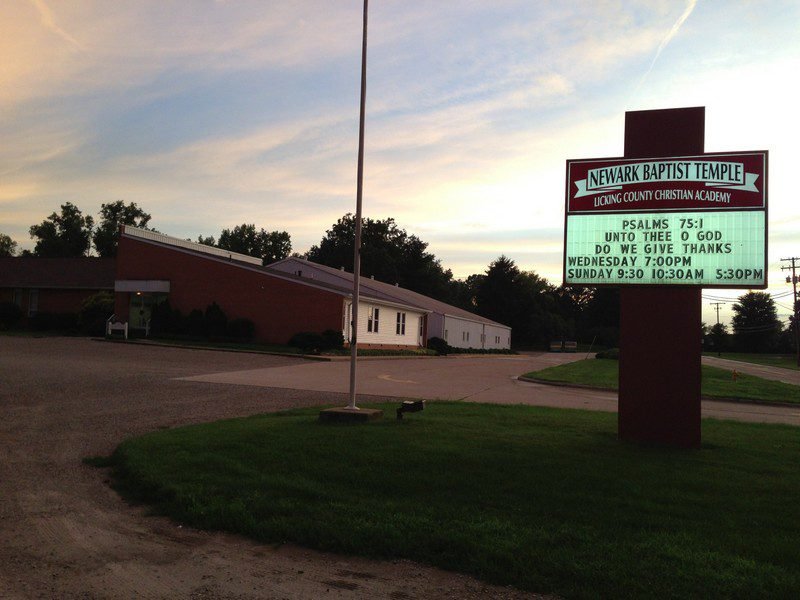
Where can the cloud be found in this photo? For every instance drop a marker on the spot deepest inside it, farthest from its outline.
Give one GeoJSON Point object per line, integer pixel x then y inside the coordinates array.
{"type": "Point", "coordinates": [212, 114]}
{"type": "Point", "coordinates": [673, 31]}
{"type": "Point", "coordinates": [47, 19]}
{"type": "Point", "coordinates": [84, 47]}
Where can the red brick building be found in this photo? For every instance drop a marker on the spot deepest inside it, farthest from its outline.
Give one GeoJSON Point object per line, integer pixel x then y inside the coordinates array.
{"type": "Point", "coordinates": [281, 300]}
{"type": "Point", "coordinates": [152, 267]}
{"type": "Point", "coordinates": [53, 285]}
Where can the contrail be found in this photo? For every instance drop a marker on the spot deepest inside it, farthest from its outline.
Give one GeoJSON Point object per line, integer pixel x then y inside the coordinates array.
{"type": "Point", "coordinates": [671, 34]}
{"type": "Point", "coordinates": [46, 16]}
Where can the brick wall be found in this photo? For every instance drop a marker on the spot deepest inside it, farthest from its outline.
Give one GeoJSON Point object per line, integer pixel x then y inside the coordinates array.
{"type": "Point", "coordinates": [279, 308]}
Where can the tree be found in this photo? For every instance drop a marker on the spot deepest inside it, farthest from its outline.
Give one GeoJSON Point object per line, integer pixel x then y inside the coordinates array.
{"type": "Point", "coordinates": [63, 235]}
{"type": "Point", "coordinates": [8, 247]}
{"type": "Point", "coordinates": [112, 215]}
{"type": "Point", "coordinates": [756, 327]}
{"type": "Point", "coordinates": [94, 312]}
{"type": "Point", "coordinates": [794, 329]}
{"type": "Point", "coordinates": [388, 253]}
{"type": "Point", "coordinates": [717, 338]}
{"type": "Point", "coordinates": [206, 241]}
{"type": "Point", "coordinates": [269, 246]}
{"type": "Point", "coordinates": [543, 317]}
{"type": "Point", "coordinates": [463, 292]}
{"type": "Point", "coordinates": [496, 296]}
{"type": "Point", "coordinates": [599, 318]}
{"type": "Point", "coordinates": [275, 246]}
{"type": "Point", "coordinates": [523, 300]}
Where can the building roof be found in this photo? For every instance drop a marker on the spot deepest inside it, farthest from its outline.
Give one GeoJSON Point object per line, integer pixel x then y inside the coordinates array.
{"type": "Point", "coordinates": [338, 281]}
{"type": "Point", "coordinates": [252, 263]}
{"type": "Point", "coordinates": [387, 291]}
{"type": "Point", "coordinates": [64, 273]}
{"type": "Point", "coordinates": [155, 236]}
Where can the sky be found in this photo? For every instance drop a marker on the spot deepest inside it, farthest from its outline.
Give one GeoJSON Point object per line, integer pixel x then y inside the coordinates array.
{"type": "Point", "coordinates": [209, 114]}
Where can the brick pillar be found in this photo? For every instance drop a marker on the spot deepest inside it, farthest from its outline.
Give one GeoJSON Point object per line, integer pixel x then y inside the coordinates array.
{"type": "Point", "coordinates": [660, 338]}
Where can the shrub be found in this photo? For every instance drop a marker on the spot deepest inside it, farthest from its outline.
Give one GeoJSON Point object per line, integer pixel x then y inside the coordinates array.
{"type": "Point", "coordinates": [44, 321]}
{"type": "Point", "coordinates": [242, 329]}
{"type": "Point", "coordinates": [438, 345]}
{"type": "Point", "coordinates": [332, 340]}
{"type": "Point", "coordinates": [163, 319]}
{"type": "Point", "coordinates": [611, 353]}
{"type": "Point", "coordinates": [395, 352]}
{"type": "Point", "coordinates": [10, 315]}
{"type": "Point", "coordinates": [94, 312]}
{"type": "Point", "coordinates": [308, 342]}
{"type": "Point", "coordinates": [453, 350]}
{"type": "Point", "coordinates": [195, 323]}
{"type": "Point", "coordinates": [215, 320]}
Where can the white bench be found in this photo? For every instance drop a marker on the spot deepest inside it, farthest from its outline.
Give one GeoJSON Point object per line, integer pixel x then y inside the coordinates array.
{"type": "Point", "coordinates": [116, 326]}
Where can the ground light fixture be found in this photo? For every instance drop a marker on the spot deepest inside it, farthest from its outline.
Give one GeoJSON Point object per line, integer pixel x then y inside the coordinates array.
{"type": "Point", "coordinates": [410, 406]}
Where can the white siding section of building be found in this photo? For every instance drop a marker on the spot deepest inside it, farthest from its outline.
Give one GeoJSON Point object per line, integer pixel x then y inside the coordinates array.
{"type": "Point", "coordinates": [387, 325]}
{"type": "Point", "coordinates": [497, 338]}
{"type": "Point", "coordinates": [459, 331]}
{"type": "Point", "coordinates": [462, 333]}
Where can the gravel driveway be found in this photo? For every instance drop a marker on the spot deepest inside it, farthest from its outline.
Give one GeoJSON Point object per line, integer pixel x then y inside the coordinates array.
{"type": "Point", "coordinates": [66, 534]}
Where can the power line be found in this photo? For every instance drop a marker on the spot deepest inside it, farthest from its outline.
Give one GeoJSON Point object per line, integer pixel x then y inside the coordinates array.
{"type": "Point", "coordinates": [783, 294]}
{"type": "Point", "coordinates": [774, 296]}
{"type": "Point", "coordinates": [758, 328]}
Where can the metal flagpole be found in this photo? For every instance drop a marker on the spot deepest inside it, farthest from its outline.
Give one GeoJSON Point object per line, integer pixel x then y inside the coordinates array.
{"type": "Point", "coordinates": [357, 245]}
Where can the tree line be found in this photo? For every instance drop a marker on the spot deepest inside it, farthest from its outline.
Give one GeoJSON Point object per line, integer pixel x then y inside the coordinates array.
{"type": "Point", "coordinates": [70, 233]}
{"type": "Point", "coordinates": [536, 310]}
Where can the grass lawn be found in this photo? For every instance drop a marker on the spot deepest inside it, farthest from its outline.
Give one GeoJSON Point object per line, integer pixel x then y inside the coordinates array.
{"type": "Point", "coordinates": [785, 361]}
{"type": "Point", "coordinates": [546, 500]}
{"type": "Point", "coordinates": [716, 383]}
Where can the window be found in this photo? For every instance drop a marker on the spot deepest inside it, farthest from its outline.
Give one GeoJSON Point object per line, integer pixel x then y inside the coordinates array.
{"type": "Point", "coordinates": [465, 336]}
{"type": "Point", "coordinates": [400, 328]}
{"type": "Point", "coordinates": [445, 335]}
{"type": "Point", "coordinates": [373, 320]}
{"type": "Point", "coordinates": [17, 298]}
{"type": "Point", "coordinates": [33, 302]}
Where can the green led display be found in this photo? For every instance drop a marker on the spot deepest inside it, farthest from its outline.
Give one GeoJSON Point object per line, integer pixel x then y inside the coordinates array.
{"type": "Point", "coordinates": [709, 249]}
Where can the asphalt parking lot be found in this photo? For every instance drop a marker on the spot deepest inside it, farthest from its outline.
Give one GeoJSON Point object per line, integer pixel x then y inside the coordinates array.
{"type": "Point", "coordinates": [67, 534]}
{"type": "Point", "coordinates": [491, 379]}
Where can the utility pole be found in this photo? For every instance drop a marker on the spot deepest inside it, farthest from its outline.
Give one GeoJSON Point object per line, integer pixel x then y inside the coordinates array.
{"type": "Point", "coordinates": [716, 306]}
{"type": "Point", "coordinates": [795, 265]}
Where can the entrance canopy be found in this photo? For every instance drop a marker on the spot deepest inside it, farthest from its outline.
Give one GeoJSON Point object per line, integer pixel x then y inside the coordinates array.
{"type": "Point", "coordinates": [141, 285]}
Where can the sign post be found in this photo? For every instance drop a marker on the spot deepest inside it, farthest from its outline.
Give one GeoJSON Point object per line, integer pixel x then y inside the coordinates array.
{"type": "Point", "coordinates": [662, 223]}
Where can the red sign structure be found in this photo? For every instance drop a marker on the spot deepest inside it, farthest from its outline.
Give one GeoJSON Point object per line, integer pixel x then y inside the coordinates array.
{"type": "Point", "coordinates": [662, 223]}
{"type": "Point", "coordinates": [730, 181]}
